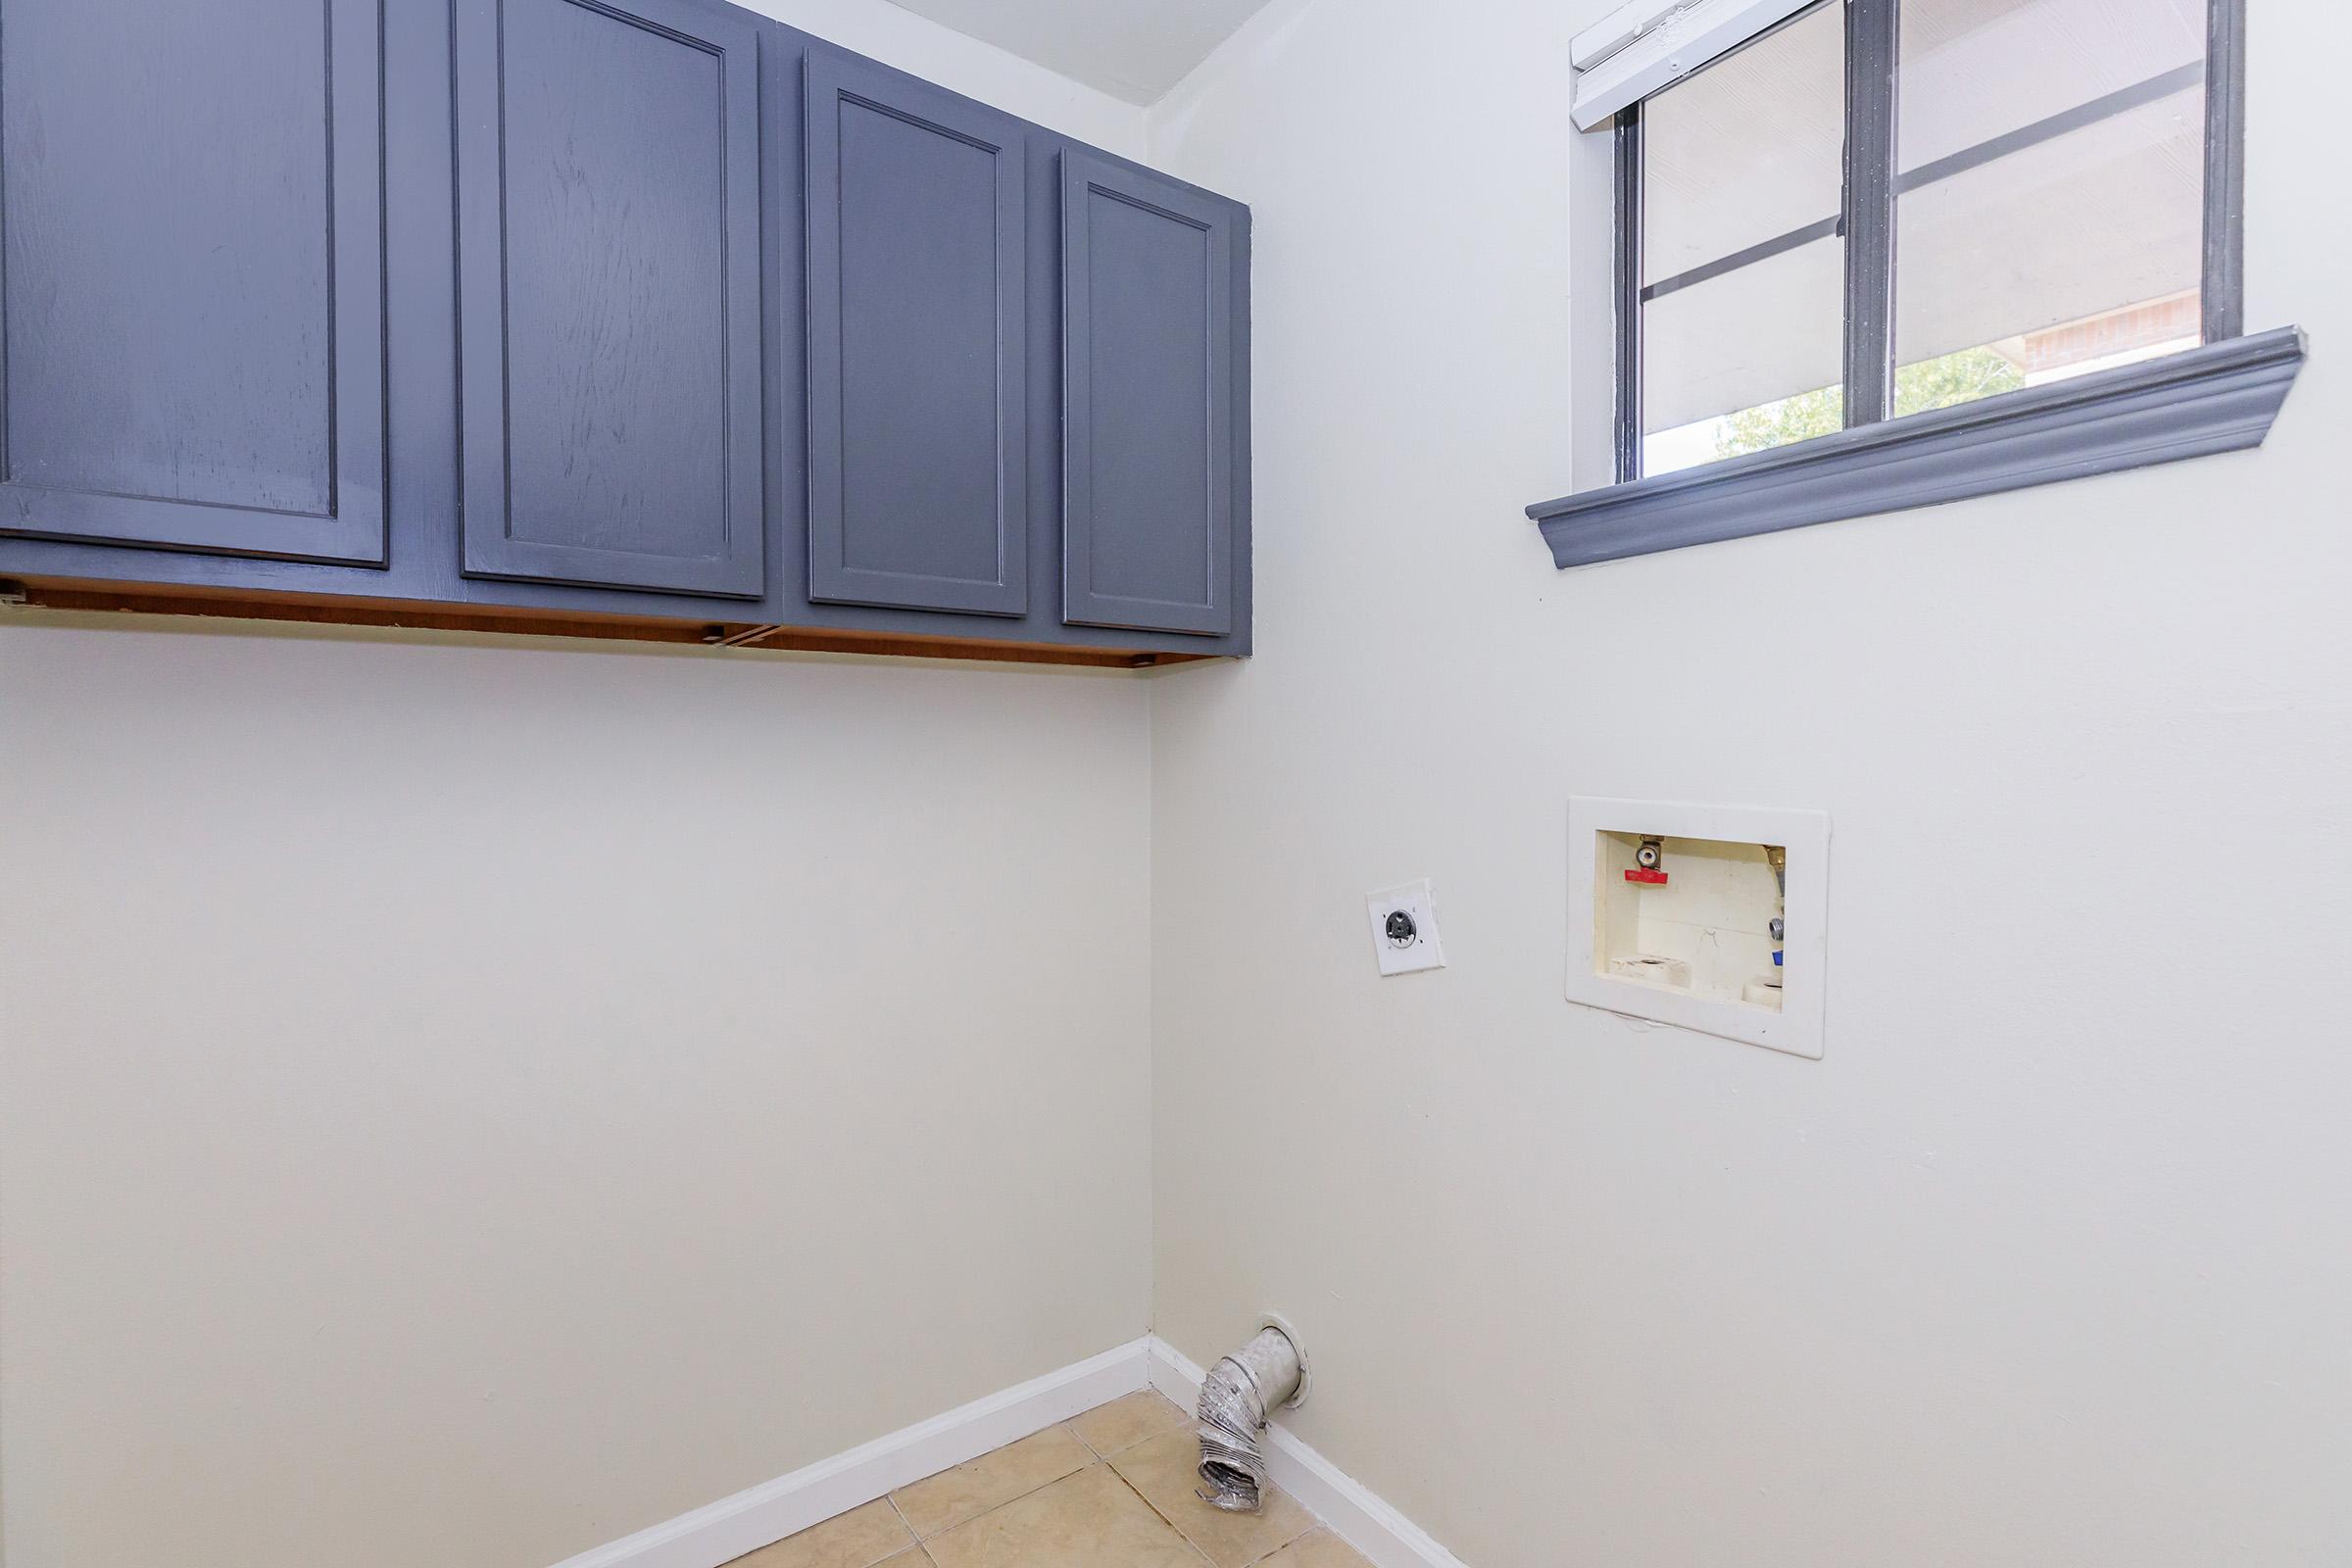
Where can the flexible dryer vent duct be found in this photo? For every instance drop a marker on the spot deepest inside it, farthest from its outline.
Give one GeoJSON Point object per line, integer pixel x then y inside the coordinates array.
{"type": "Point", "coordinates": [1236, 1398]}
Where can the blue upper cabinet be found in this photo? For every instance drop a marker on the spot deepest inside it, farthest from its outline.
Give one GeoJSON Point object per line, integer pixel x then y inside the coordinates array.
{"type": "Point", "coordinates": [1149, 443]}
{"type": "Point", "coordinates": [192, 303]}
{"type": "Point", "coordinates": [607, 168]}
{"type": "Point", "coordinates": [918, 493]}
{"type": "Point", "coordinates": [632, 318]}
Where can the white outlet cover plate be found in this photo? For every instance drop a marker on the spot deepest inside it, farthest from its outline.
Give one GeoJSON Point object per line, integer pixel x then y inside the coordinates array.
{"type": "Point", "coordinates": [1425, 951]}
{"type": "Point", "coordinates": [1796, 1026]}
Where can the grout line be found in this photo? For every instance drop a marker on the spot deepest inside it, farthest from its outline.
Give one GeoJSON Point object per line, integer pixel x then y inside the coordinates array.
{"type": "Point", "coordinates": [1314, 1521]}
{"type": "Point", "coordinates": [1258, 1562]}
{"type": "Point", "coordinates": [905, 1523]}
{"type": "Point", "coordinates": [1159, 1514]}
{"type": "Point", "coordinates": [1313, 1524]}
{"type": "Point", "coordinates": [920, 1550]}
{"type": "Point", "coordinates": [1177, 1525]}
{"type": "Point", "coordinates": [1108, 1455]}
{"type": "Point", "coordinates": [1009, 1501]}
{"type": "Point", "coordinates": [1104, 1454]}
{"type": "Point", "coordinates": [1096, 1457]}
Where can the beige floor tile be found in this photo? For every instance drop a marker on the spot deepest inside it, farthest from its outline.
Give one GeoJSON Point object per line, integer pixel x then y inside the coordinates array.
{"type": "Point", "coordinates": [858, 1539]}
{"type": "Point", "coordinates": [1089, 1520]}
{"type": "Point", "coordinates": [1317, 1548]}
{"type": "Point", "coordinates": [1162, 1470]}
{"type": "Point", "coordinates": [1124, 1423]}
{"type": "Point", "coordinates": [968, 1491]}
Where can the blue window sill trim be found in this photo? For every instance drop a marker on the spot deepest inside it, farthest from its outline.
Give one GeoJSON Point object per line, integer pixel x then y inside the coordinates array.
{"type": "Point", "coordinates": [2221, 397]}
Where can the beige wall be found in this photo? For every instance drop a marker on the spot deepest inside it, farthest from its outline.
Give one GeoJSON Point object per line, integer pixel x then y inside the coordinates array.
{"type": "Point", "coordinates": [461, 1103]}
{"type": "Point", "coordinates": [2049, 1260]}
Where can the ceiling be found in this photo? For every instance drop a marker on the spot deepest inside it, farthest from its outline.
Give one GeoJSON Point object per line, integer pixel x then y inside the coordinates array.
{"type": "Point", "coordinates": [1131, 49]}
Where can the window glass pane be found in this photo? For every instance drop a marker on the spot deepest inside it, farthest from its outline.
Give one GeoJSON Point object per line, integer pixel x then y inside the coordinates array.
{"type": "Point", "coordinates": [2050, 213]}
{"type": "Point", "coordinates": [1746, 151]}
{"type": "Point", "coordinates": [1740, 361]}
{"type": "Point", "coordinates": [1742, 273]}
{"type": "Point", "coordinates": [1973, 70]}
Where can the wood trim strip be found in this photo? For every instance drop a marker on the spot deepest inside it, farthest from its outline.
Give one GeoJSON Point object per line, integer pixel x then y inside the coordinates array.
{"type": "Point", "coordinates": [2219, 398]}
{"type": "Point", "coordinates": [69, 594]}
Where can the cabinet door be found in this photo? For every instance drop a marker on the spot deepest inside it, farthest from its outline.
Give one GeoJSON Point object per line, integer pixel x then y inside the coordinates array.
{"type": "Point", "coordinates": [1148, 389]}
{"type": "Point", "coordinates": [192, 276]}
{"type": "Point", "coordinates": [608, 276]}
{"type": "Point", "coordinates": [917, 424]}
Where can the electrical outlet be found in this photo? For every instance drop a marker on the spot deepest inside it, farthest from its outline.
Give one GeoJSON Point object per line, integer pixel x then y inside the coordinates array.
{"type": "Point", "coordinates": [1404, 928]}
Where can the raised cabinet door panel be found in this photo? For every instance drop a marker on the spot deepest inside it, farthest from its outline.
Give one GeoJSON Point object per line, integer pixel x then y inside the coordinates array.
{"type": "Point", "coordinates": [918, 423]}
{"type": "Point", "coordinates": [608, 294]}
{"type": "Point", "coordinates": [192, 276]}
{"type": "Point", "coordinates": [1148, 421]}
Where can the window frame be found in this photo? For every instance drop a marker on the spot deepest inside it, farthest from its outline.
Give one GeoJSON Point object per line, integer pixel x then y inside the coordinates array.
{"type": "Point", "coordinates": [1866, 225]}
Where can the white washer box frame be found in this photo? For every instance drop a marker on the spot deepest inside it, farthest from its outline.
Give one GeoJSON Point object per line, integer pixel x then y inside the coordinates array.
{"type": "Point", "coordinates": [1797, 1027]}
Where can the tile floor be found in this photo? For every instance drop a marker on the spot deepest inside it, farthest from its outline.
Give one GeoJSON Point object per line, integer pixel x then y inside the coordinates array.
{"type": "Point", "coordinates": [1114, 1489]}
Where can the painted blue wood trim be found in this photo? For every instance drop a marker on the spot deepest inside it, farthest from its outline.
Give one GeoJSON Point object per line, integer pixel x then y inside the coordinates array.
{"type": "Point", "coordinates": [2219, 398]}
{"type": "Point", "coordinates": [2224, 292]}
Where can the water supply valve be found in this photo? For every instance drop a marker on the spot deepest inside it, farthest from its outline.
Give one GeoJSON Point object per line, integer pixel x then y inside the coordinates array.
{"type": "Point", "coordinates": [1649, 864]}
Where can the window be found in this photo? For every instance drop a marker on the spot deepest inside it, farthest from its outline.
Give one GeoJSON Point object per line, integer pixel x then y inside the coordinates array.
{"type": "Point", "coordinates": [1738, 248]}
{"type": "Point", "coordinates": [1874, 254]}
{"type": "Point", "coordinates": [2038, 171]}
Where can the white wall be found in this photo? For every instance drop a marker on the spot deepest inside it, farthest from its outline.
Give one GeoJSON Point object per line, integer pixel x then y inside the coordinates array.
{"type": "Point", "coordinates": [2049, 1260]}
{"type": "Point", "coordinates": [464, 1101]}
{"type": "Point", "coordinates": [883, 31]}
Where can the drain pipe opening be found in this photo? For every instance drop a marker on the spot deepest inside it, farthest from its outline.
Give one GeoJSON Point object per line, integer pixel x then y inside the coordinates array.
{"type": "Point", "coordinates": [1238, 1395]}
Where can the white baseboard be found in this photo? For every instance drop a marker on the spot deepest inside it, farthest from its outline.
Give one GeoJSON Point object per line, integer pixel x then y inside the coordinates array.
{"type": "Point", "coordinates": [1385, 1537]}
{"type": "Point", "coordinates": [724, 1531]}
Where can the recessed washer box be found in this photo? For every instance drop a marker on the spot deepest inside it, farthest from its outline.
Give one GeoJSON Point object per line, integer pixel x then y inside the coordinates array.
{"type": "Point", "coordinates": [1670, 918]}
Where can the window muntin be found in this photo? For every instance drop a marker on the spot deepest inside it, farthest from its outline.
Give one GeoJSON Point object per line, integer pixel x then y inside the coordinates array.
{"type": "Point", "coordinates": [2045, 216]}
